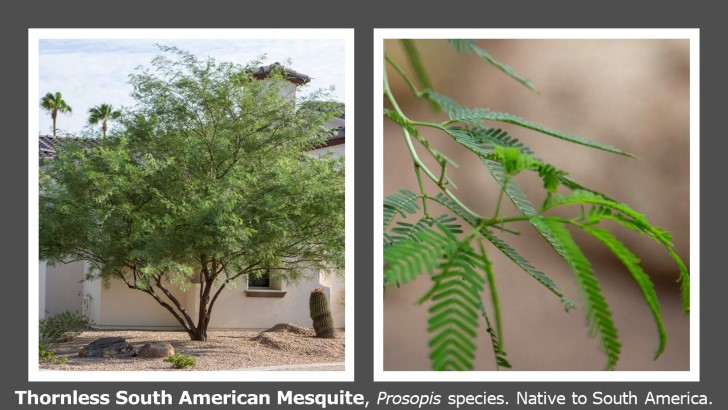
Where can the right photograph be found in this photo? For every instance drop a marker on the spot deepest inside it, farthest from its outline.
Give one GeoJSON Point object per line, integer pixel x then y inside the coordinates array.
{"type": "Point", "coordinates": [537, 204]}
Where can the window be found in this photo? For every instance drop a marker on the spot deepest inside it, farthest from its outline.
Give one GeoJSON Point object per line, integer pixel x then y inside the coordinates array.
{"type": "Point", "coordinates": [263, 284]}
{"type": "Point", "coordinates": [258, 280]}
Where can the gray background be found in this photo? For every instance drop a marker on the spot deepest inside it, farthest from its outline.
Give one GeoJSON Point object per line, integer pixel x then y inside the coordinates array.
{"type": "Point", "coordinates": [363, 16]}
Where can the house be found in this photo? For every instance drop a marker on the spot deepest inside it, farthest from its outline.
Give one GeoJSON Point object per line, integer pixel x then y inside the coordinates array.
{"type": "Point", "coordinates": [251, 304]}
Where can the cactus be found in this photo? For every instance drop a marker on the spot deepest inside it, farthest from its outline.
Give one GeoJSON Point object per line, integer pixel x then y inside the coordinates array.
{"type": "Point", "coordinates": [323, 323]}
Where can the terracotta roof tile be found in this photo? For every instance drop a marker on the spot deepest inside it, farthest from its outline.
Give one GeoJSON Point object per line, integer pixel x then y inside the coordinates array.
{"type": "Point", "coordinates": [292, 75]}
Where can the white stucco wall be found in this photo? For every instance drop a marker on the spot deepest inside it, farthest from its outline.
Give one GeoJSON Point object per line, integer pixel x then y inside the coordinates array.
{"type": "Point", "coordinates": [124, 307]}
{"type": "Point", "coordinates": [92, 291]}
{"type": "Point", "coordinates": [63, 287]}
{"type": "Point", "coordinates": [120, 307]}
{"type": "Point", "coordinates": [289, 92]}
{"type": "Point", "coordinates": [42, 291]}
{"type": "Point", "coordinates": [235, 309]}
{"type": "Point", "coordinates": [337, 300]}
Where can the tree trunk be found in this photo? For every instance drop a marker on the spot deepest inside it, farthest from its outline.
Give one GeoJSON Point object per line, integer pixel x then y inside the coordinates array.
{"type": "Point", "coordinates": [199, 334]}
{"type": "Point", "coordinates": [200, 331]}
{"type": "Point", "coordinates": [203, 318]}
{"type": "Point", "coordinates": [195, 331]}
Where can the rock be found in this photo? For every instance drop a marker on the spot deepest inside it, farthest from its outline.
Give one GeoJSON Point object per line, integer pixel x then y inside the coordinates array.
{"type": "Point", "coordinates": [108, 347]}
{"type": "Point", "coordinates": [67, 336]}
{"type": "Point", "coordinates": [156, 349]}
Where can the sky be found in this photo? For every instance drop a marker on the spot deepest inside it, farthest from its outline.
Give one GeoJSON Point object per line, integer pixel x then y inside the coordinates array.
{"type": "Point", "coordinates": [89, 72]}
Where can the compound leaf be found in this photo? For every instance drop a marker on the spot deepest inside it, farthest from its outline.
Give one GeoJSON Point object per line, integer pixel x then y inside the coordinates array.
{"type": "Point", "coordinates": [470, 47]}
{"type": "Point", "coordinates": [406, 259]}
{"type": "Point", "coordinates": [631, 262]}
{"type": "Point", "coordinates": [401, 203]}
{"type": "Point", "coordinates": [598, 315]}
{"type": "Point", "coordinates": [475, 116]}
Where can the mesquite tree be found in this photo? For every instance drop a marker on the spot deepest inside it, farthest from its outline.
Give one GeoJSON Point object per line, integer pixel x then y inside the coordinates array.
{"type": "Point", "coordinates": [206, 180]}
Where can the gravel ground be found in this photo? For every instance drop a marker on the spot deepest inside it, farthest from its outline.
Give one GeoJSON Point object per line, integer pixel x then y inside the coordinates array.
{"type": "Point", "coordinates": [283, 344]}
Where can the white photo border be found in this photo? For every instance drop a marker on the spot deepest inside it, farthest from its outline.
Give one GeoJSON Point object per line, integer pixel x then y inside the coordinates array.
{"type": "Point", "coordinates": [693, 35]}
{"type": "Point", "coordinates": [34, 38]}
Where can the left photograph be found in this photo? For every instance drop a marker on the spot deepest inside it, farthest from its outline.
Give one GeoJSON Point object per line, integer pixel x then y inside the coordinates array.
{"type": "Point", "coordinates": [192, 210]}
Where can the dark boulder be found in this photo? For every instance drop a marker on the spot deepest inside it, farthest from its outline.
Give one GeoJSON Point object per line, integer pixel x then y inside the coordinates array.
{"type": "Point", "coordinates": [108, 347]}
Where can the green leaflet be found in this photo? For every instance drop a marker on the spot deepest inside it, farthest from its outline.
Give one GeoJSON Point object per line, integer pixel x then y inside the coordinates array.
{"type": "Point", "coordinates": [401, 121]}
{"type": "Point", "coordinates": [460, 113]}
{"type": "Point", "coordinates": [469, 46]}
{"type": "Point", "coordinates": [663, 238]}
{"type": "Point", "coordinates": [482, 140]}
{"type": "Point", "coordinates": [496, 335]}
{"type": "Point", "coordinates": [522, 263]}
{"type": "Point", "coordinates": [409, 258]}
{"type": "Point", "coordinates": [415, 62]}
{"type": "Point", "coordinates": [512, 191]}
{"type": "Point", "coordinates": [513, 160]}
{"type": "Point", "coordinates": [490, 276]}
{"type": "Point", "coordinates": [631, 262]}
{"type": "Point", "coordinates": [406, 230]}
{"type": "Point", "coordinates": [598, 315]}
{"type": "Point", "coordinates": [508, 251]}
{"type": "Point", "coordinates": [515, 120]}
{"type": "Point", "coordinates": [635, 221]}
{"type": "Point", "coordinates": [500, 355]}
{"type": "Point", "coordinates": [453, 316]}
{"type": "Point", "coordinates": [586, 197]}
{"type": "Point", "coordinates": [496, 145]}
{"type": "Point", "coordinates": [399, 203]}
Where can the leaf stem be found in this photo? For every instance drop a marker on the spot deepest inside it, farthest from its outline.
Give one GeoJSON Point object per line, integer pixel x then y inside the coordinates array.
{"type": "Point", "coordinates": [422, 190]}
{"type": "Point", "coordinates": [443, 166]}
{"type": "Point", "coordinates": [500, 198]}
{"type": "Point", "coordinates": [429, 125]}
{"type": "Point", "coordinates": [402, 74]}
{"type": "Point", "coordinates": [416, 159]}
{"type": "Point", "coordinates": [491, 222]}
{"type": "Point", "coordinates": [435, 179]}
{"type": "Point", "coordinates": [493, 295]}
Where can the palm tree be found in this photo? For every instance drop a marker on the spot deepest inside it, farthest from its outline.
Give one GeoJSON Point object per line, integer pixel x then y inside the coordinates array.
{"type": "Point", "coordinates": [102, 114]}
{"type": "Point", "coordinates": [53, 103]}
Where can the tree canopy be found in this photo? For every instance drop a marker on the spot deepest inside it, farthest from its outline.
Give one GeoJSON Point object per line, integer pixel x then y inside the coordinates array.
{"type": "Point", "coordinates": [205, 180]}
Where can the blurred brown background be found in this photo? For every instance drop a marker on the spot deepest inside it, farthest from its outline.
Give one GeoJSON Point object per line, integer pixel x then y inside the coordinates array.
{"type": "Point", "coordinates": [633, 94]}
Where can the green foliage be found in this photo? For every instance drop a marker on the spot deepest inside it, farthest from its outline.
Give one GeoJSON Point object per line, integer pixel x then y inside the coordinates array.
{"type": "Point", "coordinates": [631, 262]}
{"type": "Point", "coordinates": [205, 180]}
{"type": "Point", "coordinates": [454, 313]}
{"type": "Point", "coordinates": [58, 328]}
{"type": "Point", "coordinates": [413, 57]}
{"type": "Point", "coordinates": [323, 322]}
{"type": "Point", "coordinates": [403, 202]}
{"type": "Point", "coordinates": [181, 361]}
{"type": "Point", "coordinates": [46, 354]}
{"type": "Point", "coordinates": [417, 243]}
{"type": "Point", "coordinates": [406, 230]}
{"type": "Point", "coordinates": [61, 327]}
{"type": "Point", "coordinates": [407, 259]}
{"type": "Point", "coordinates": [598, 316]}
{"type": "Point", "coordinates": [470, 47]}
{"type": "Point", "coordinates": [477, 116]}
